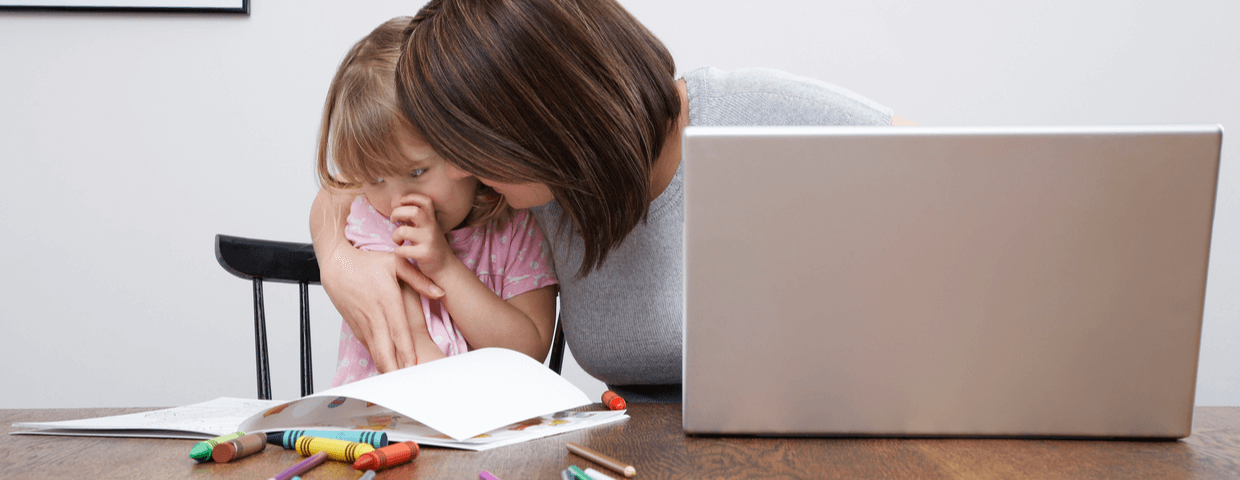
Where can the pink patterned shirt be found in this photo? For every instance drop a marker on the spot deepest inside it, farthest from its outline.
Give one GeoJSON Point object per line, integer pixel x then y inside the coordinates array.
{"type": "Point", "coordinates": [510, 261]}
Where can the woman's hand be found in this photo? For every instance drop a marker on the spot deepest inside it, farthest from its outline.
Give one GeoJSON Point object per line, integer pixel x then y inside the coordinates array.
{"type": "Point", "coordinates": [364, 286]}
{"type": "Point", "coordinates": [427, 245]}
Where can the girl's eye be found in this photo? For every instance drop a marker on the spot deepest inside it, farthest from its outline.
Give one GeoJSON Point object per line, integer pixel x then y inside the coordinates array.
{"type": "Point", "coordinates": [417, 173]}
{"type": "Point", "coordinates": [378, 180]}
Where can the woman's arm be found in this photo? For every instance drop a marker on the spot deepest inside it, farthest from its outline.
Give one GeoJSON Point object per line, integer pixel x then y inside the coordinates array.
{"type": "Point", "coordinates": [363, 285]}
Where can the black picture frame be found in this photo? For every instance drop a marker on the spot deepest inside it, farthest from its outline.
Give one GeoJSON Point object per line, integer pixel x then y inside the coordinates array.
{"type": "Point", "coordinates": [172, 6]}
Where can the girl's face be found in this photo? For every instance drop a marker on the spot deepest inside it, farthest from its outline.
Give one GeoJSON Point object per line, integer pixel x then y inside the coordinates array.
{"type": "Point", "coordinates": [451, 191]}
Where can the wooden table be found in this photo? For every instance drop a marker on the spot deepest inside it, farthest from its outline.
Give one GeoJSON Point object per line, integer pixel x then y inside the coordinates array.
{"type": "Point", "coordinates": [653, 442]}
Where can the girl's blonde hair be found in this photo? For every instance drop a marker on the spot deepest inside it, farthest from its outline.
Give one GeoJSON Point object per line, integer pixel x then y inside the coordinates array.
{"type": "Point", "coordinates": [363, 127]}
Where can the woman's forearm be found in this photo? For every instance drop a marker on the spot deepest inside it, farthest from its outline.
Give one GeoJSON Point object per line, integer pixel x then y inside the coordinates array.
{"type": "Point", "coordinates": [328, 216]}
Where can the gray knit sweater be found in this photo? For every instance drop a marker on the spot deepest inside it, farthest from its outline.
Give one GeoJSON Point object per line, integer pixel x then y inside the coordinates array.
{"type": "Point", "coordinates": [623, 321]}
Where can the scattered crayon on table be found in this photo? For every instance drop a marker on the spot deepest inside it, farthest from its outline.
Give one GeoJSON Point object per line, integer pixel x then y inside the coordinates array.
{"type": "Point", "coordinates": [239, 447]}
{"type": "Point", "coordinates": [202, 450]}
{"type": "Point", "coordinates": [613, 401]}
{"type": "Point", "coordinates": [578, 473]}
{"type": "Point", "coordinates": [566, 474]}
{"type": "Point", "coordinates": [338, 450]}
{"type": "Point", "coordinates": [597, 475]}
{"type": "Point", "coordinates": [288, 438]}
{"type": "Point", "coordinates": [301, 467]}
{"type": "Point", "coordinates": [485, 475]}
{"type": "Point", "coordinates": [389, 456]}
{"type": "Point", "coordinates": [369, 475]}
{"type": "Point", "coordinates": [604, 460]}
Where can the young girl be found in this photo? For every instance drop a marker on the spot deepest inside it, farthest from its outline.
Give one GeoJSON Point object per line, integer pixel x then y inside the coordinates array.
{"type": "Point", "coordinates": [490, 261]}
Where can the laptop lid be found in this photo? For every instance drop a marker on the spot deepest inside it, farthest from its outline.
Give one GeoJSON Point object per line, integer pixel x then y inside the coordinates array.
{"type": "Point", "coordinates": [1039, 281]}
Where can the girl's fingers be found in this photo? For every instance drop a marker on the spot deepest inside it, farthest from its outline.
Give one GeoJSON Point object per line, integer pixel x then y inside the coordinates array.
{"type": "Point", "coordinates": [412, 199]}
{"type": "Point", "coordinates": [413, 215]}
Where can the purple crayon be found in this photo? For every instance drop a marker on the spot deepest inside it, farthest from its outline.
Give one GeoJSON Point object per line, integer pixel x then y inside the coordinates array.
{"type": "Point", "coordinates": [301, 467]}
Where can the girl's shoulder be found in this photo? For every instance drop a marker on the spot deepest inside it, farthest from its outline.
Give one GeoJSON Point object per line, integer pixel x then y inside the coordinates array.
{"type": "Point", "coordinates": [514, 230]}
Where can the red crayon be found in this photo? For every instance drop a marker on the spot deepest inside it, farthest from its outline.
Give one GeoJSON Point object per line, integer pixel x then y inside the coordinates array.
{"type": "Point", "coordinates": [389, 456]}
{"type": "Point", "coordinates": [613, 401]}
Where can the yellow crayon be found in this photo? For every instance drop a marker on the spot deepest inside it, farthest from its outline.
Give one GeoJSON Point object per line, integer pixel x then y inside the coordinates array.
{"type": "Point", "coordinates": [338, 450]}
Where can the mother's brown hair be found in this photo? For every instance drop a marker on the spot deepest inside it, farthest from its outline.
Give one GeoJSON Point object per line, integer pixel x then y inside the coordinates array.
{"type": "Point", "coordinates": [574, 94]}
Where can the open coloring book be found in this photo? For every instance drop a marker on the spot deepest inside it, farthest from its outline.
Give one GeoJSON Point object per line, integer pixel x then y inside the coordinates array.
{"type": "Point", "coordinates": [476, 401]}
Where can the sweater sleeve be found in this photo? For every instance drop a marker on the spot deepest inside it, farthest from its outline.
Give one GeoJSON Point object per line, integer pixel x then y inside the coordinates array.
{"type": "Point", "coordinates": [762, 97]}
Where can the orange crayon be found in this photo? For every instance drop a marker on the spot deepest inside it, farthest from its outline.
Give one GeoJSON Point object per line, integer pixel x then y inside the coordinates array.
{"type": "Point", "coordinates": [389, 456]}
{"type": "Point", "coordinates": [613, 401]}
{"type": "Point", "coordinates": [241, 447]}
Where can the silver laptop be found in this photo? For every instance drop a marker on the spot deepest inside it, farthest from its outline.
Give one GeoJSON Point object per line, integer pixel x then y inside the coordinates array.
{"type": "Point", "coordinates": [879, 281]}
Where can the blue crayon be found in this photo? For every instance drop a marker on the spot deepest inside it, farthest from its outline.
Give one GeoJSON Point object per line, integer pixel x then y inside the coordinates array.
{"type": "Point", "coordinates": [288, 438]}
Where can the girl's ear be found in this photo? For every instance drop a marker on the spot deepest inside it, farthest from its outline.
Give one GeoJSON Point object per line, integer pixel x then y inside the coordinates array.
{"type": "Point", "coordinates": [453, 172]}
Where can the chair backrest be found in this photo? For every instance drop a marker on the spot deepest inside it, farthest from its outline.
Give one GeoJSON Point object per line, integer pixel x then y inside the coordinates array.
{"type": "Point", "coordinates": [288, 262]}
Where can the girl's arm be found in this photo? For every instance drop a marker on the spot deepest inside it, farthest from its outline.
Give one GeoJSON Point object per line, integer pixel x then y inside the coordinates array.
{"type": "Point", "coordinates": [524, 323]}
{"type": "Point", "coordinates": [363, 285]}
{"type": "Point", "coordinates": [424, 348]}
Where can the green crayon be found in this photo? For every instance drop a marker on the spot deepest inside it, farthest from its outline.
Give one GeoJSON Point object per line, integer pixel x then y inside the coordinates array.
{"type": "Point", "coordinates": [578, 473]}
{"type": "Point", "coordinates": [202, 450]}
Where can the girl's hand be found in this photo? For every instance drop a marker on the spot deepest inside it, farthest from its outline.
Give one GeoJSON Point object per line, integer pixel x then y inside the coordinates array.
{"type": "Point", "coordinates": [427, 243]}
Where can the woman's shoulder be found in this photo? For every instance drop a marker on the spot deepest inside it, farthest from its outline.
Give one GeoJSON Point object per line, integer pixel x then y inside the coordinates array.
{"type": "Point", "coordinates": [760, 96]}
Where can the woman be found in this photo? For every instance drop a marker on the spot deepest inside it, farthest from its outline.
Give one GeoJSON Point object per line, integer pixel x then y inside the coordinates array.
{"type": "Point", "coordinates": [570, 108]}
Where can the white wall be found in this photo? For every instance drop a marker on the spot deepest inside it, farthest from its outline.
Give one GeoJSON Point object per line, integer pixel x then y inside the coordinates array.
{"type": "Point", "coordinates": [129, 141]}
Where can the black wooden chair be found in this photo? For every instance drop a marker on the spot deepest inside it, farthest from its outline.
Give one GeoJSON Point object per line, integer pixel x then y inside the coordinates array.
{"type": "Point", "coordinates": [287, 262]}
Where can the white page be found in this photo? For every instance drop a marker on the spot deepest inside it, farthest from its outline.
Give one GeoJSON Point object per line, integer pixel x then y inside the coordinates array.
{"type": "Point", "coordinates": [207, 419]}
{"type": "Point", "coordinates": [460, 396]}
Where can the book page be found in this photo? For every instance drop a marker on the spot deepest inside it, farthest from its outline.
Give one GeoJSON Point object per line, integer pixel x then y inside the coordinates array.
{"type": "Point", "coordinates": [460, 396]}
{"type": "Point", "coordinates": [200, 420]}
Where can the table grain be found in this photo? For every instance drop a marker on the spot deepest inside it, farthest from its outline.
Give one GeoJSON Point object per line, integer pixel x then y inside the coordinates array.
{"type": "Point", "coordinates": [652, 441]}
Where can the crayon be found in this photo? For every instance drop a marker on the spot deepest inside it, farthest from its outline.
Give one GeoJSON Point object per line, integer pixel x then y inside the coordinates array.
{"type": "Point", "coordinates": [202, 450]}
{"type": "Point", "coordinates": [369, 475]}
{"type": "Point", "coordinates": [597, 475]}
{"type": "Point", "coordinates": [288, 438]}
{"type": "Point", "coordinates": [604, 460]}
{"type": "Point", "coordinates": [301, 467]}
{"type": "Point", "coordinates": [566, 474]}
{"type": "Point", "coordinates": [389, 456]}
{"type": "Point", "coordinates": [238, 448]}
{"type": "Point", "coordinates": [613, 401]}
{"type": "Point", "coordinates": [338, 450]}
{"type": "Point", "coordinates": [485, 475]}
{"type": "Point", "coordinates": [578, 474]}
